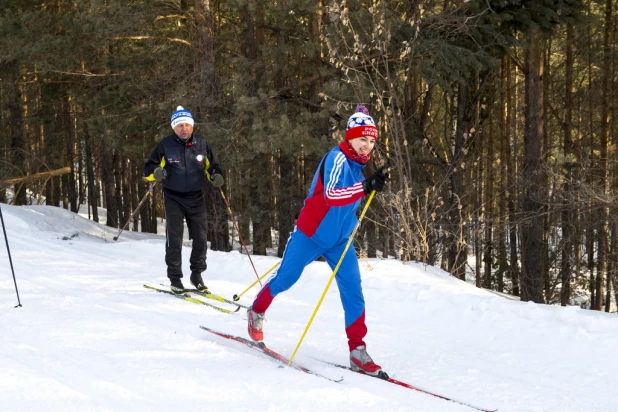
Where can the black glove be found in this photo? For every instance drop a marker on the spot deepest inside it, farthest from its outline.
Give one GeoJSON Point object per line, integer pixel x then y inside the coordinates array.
{"type": "Point", "coordinates": [375, 181]}
{"type": "Point", "coordinates": [216, 177]}
{"type": "Point", "coordinates": [217, 180]}
{"type": "Point", "coordinates": [159, 174]}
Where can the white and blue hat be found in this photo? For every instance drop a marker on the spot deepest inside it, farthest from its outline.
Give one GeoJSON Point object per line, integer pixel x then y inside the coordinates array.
{"type": "Point", "coordinates": [180, 116]}
{"type": "Point", "coordinates": [361, 124]}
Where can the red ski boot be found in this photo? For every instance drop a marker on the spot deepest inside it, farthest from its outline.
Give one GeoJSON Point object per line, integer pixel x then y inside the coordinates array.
{"type": "Point", "coordinates": [361, 361]}
{"type": "Point", "coordinates": [255, 321]}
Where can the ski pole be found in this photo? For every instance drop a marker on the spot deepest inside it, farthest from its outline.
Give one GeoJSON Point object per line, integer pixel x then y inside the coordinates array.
{"type": "Point", "coordinates": [237, 297]}
{"type": "Point", "coordinates": [229, 210]}
{"type": "Point", "coordinates": [135, 212]}
{"type": "Point", "coordinates": [6, 239]}
{"type": "Point", "coordinates": [347, 246]}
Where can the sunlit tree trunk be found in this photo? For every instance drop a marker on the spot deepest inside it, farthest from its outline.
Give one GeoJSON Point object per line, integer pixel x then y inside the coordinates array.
{"type": "Point", "coordinates": [603, 229]}
{"type": "Point", "coordinates": [488, 183]}
{"type": "Point", "coordinates": [567, 213]}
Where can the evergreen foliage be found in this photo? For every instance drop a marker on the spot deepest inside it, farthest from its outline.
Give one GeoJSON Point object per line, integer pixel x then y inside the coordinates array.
{"type": "Point", "coordinates": [90, 85]}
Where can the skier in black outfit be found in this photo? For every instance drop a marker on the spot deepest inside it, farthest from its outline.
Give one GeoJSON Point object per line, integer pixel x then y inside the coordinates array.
{"type": "Point", "coordinates": [180, 162]}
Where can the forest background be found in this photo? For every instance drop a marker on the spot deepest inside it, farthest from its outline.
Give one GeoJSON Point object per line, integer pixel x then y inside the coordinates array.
{"type": "Point", "coordinates": [499, 117]}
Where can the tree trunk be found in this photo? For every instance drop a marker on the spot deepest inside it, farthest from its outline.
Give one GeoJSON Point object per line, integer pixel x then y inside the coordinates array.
{"type": "Point", "coordinates": [488, 208]}
{"type": "Point", "coordinates": [567, 213]}
{"type": "Point", "coordinates": [260, 201]}
{"type": "Point", "coordinates": [457, 246]}
{"type": "Point", "coordinates": [532, 227]}
{"type": "Point", "coordinates": [288, 203]}
{"type": "Point", "coordinates": [217, 219]}
{"type": "Point", "coordinates": [591, 264]}
{"type": "Point", "coordinates": [479, 253]}
{"type": "Point", "coordinates": [134, 181]}
{"type": "Point", "coordinates": [119, 172]}
{"type": "Point", "coordinates": [511, 134]}
{"type": "Point", "coordinates": [603, 231]}
{"type": "Point", "coordinates": [371, 235]}
{"type": "Point", "coordinates": [69, 133]}
{"type": "Point", "coordinates": [93, 195]}
{"type": "Point", "coordinates": [614, 272]}
{"type": "Point", "coordinates": [107, 177]}
{"type": "Point", "coordinates": [17, 131]}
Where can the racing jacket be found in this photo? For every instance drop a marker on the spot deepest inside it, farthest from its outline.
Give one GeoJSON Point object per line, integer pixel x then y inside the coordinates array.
{"type": "Point", "coordinates": [328, 215]}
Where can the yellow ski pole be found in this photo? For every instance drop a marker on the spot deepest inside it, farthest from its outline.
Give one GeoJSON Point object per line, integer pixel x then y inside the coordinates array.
{"type": "Point", "coordinates": [347, 246]}
{"type": "Point", "coordinates": [236, 297]}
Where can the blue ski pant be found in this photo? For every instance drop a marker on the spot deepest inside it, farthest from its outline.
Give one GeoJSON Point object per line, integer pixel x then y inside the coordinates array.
{"type": "Point", "coordinates": [299, 252]}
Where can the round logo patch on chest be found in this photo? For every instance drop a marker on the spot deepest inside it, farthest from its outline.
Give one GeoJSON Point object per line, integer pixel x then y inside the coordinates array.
{"type": "Point", "coordinates": [200, 158]}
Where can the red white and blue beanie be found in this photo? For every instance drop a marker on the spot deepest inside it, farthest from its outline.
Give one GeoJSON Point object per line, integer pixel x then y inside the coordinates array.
{"type": "Point", "coordinates": [180, 116]}
{"type": "Point", "coordinates": [361, 124]}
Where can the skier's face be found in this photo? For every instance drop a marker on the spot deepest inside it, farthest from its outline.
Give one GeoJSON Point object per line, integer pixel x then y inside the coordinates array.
{"type": "Point", "coordinates": [363, 145]}
{"type": "Point", "coordinates": [183, 130]}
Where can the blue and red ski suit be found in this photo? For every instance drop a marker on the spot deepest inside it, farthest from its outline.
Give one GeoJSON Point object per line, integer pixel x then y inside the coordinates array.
{"type": "Point", "coordinates": [323, 228]}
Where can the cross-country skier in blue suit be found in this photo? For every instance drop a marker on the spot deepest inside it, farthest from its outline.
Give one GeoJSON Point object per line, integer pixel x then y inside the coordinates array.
{"type": "Point", "coordinates": [323, 228]}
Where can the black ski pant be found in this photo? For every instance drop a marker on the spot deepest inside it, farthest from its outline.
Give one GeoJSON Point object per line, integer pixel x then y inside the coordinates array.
{"type": "Point", "coordinates": [179, 207]}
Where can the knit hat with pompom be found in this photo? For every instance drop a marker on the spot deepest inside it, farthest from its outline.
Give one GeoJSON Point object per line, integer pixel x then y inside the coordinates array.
{"type": "Point", "coordinates": [180, 116]}
{"type": "Point", "coordinates": [361, 124]}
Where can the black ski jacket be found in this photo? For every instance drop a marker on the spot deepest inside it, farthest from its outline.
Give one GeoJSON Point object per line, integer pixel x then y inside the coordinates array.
{"type": "Point", "coordinates": [186, 163]}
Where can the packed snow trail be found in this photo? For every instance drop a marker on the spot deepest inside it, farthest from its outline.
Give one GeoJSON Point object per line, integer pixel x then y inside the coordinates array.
{"type": "Point", "coordinates": [90, 337]}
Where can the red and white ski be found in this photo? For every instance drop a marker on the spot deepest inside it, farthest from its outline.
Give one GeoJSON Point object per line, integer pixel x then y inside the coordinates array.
{"type": "Point", "coordinates": [386, 378]}
{"type": "Point", "coordinates": [261, 347]}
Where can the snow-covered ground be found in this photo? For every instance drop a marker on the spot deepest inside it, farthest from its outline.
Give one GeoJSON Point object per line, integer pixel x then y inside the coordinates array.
{"type": "Point", "coordinates": [90, 337]}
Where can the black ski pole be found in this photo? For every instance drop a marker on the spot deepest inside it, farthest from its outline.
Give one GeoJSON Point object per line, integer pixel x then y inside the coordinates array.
{"type": "Point", "coordinates": [6, 239]}
{"type": "Point", "coordinates": [135, 212]}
